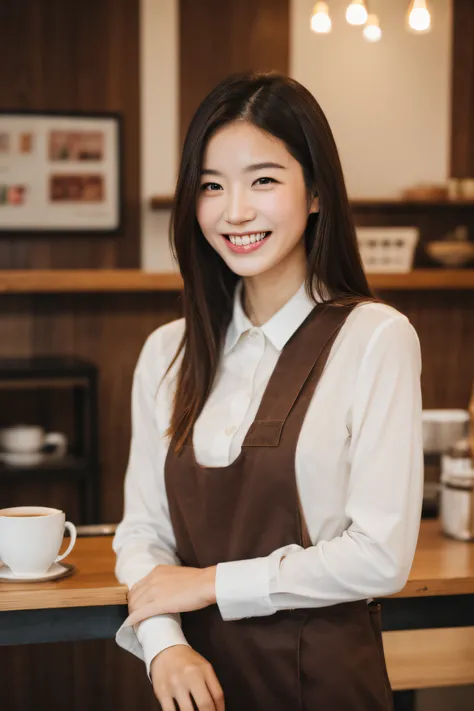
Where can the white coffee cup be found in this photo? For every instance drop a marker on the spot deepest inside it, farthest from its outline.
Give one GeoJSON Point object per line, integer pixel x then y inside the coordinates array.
{"type": "Point", "coordinates": [22, 439]}
{"type": "Point", "coordinates": [30, 539]}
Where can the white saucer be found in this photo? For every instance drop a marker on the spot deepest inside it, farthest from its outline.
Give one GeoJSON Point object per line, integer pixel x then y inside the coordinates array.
{"type": "Point", "coordinates": [55, 571]}
{"type": "Point", "coordinates": [22, 459]}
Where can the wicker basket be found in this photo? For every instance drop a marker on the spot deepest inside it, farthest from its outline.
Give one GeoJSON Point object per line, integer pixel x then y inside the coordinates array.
{"type": "Point", "coordinates": [387, 249]}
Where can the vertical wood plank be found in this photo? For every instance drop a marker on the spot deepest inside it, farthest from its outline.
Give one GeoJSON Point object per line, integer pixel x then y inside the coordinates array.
{"type": "Point", "coordinates": [75, 56]}
{"type": "Point", "coordinates": [462, 91]}
{"type": "Point", "coordinates": [217, 39]}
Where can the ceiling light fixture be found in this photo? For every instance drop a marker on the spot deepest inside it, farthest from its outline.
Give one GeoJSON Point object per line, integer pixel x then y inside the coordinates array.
{"type": "Point", "coordinates": [372, 31]}
{"type": "Point", "coordinates": [320, 20]}
{"type": "Point", "coordinates": [356, 13]}
{"type": "Point", "coordinates": [418, 16]}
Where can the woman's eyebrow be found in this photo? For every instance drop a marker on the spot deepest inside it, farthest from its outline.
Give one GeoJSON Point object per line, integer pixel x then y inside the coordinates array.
{"type": "Point", "coordinates": [248, 169]}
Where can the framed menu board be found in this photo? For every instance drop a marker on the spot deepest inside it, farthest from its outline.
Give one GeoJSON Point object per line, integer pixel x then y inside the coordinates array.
{"type": "Point", "coordinates": [60, 172]}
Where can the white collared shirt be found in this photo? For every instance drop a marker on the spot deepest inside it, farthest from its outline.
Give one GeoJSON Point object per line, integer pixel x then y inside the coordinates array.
{"type": "Point", "coordinates": [359, 465]}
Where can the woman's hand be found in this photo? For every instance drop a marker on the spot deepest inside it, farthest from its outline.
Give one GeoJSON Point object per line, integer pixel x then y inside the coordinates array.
{"type": "Point", "coordinates": [171, 589]}
{"type": "Point", "coordinates": [179, 671]}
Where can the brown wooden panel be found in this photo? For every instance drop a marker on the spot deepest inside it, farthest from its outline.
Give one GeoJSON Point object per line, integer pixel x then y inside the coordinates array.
{"type": "Point", "coordinates": [462, 90]}
{"type": "Point", "coordinates": [219, 38]}
{"type": "Point", "coordinates": [97, 676]}
{"type": "Point", "coordinates": [444, 322]}
{"type": "Point", "coordinates": [83, 56]}
{"type": "Point", "coordinates": [108, 330]}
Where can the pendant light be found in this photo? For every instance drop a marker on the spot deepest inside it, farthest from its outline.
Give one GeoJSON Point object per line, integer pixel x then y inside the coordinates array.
{"type": "Point", "coordinates": [372, 31]}
{"type": "Point", "coordinates": [320, 20]}
{"type": "Point", "coordinates": [356, 13]}
{"type": "Point", "coordinates": [418, 16]}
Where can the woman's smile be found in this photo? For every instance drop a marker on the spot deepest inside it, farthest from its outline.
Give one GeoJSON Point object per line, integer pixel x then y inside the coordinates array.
{"type": "Point", "coordinates": [249, 242]}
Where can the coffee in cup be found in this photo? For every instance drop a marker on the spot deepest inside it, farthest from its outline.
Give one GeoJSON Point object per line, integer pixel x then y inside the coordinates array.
{"type": "Point", "coordinates": [30, 539]}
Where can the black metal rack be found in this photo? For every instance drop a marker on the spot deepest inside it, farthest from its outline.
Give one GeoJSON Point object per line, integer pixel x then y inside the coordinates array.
{"type": "Point", "coordinates": [81, 464]}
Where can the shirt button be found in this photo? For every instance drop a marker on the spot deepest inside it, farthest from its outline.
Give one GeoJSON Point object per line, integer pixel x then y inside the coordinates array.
{"type": "Point", "coordinates": [254, 333]}
{"type": "Point", "coordinates": [230, 430]}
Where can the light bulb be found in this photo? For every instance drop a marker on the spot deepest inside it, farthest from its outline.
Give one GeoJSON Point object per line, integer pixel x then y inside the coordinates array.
{"type": "Point", "coordinates": [372, 31]}
{"type": "Point", "coordinates": [356, 14]}
{"type": "Point", "coordinates": [320, 20]}
{"type": "Point", "coordinates": [419, 18]}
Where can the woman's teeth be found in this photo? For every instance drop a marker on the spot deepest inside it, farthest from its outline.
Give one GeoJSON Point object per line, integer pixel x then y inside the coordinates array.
{"type": "Point", "coordinates": [248, 239]}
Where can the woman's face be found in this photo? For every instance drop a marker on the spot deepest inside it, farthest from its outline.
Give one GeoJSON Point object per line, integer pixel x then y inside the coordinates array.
{"type": "Point", "coordinates": [252, 204]}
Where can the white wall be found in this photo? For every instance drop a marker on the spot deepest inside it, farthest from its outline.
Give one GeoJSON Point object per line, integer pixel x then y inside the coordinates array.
{"type": "Point", "coordinates": [159, 125]}
{"type": "Point", "coordinates": [388, 103]}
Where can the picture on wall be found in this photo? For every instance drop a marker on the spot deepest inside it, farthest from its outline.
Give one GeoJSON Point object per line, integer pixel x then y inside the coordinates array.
{"type": "Point", "coordinates": [60, 172]}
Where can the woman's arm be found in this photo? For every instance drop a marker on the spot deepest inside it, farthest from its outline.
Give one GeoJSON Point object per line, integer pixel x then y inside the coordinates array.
{"type": "Point", "coordinates": [145, 538]}
{"type": "Point", "coordinates": [373, 556]}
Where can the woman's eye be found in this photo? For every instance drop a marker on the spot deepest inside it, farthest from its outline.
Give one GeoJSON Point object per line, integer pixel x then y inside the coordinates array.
{"type": "Point", "coordinates": [214, 187]}
{"type": "Point", "coordinates": [271, 180]}
{"type": "Point", "coordinates": [208, 185]}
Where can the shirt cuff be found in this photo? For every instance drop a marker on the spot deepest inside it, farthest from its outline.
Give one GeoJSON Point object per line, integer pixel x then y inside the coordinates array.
{"type": "Point", "coordinates": [151, 637]}
{"type": "Point", "coordinates": [243, 588]}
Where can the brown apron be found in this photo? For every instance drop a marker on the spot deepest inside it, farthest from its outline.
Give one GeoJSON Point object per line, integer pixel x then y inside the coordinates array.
{"type": "Point", "coordinates": [325, 659]}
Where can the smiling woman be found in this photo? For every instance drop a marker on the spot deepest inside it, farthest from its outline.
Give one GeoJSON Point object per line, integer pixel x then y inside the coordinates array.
{"type": "Point", "coordinates": [251, 199]}
{"type": "Point", "coordinates": [267, 141]}
{"type": "Point", "coordinates": [275, 478]}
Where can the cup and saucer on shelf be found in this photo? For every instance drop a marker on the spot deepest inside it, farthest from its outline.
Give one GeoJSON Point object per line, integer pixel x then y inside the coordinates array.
{"type": "Point", "coordinates": [30, 445]}
{"type": "Point", "coordinates": [30, 539]}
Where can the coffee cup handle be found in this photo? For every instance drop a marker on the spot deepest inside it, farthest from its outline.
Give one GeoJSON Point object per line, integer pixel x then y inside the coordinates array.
{"type": "Point", "coordinates": [58, 440]}
{"type": "Point", "coordinates": [72, 532]}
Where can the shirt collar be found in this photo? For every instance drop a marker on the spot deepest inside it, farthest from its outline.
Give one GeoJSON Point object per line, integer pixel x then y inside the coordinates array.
{"type": "Point", "coordinates": [279, 328]}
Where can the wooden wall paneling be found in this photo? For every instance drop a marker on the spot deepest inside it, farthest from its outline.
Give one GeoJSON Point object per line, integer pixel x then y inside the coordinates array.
{"type": "Point", "coordinates": [462, 90]}
{"type": "Point", "coordinates": [107, 329]}
{"type": "Point", "coordinates": [444, 322]}
{"type": "Point", "coordinates": [219, 38]}
{"type": "Point", "coordinates": [94, 675]}
{"type": "Point", "coordinates": [74, 56]}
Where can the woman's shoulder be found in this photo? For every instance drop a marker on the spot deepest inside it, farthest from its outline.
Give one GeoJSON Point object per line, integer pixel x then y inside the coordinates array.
{"type": "Point", "coordinates": [161, 346]}
{"type": "Point", "coordinates": [372, 322]}
{"type": "Point", "coordinates": [372, 314]}
{"type": "Point", "coordinates": [168, 336]}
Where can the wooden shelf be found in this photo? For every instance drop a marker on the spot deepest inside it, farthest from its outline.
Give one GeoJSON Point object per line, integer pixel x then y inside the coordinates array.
{"type": "Point", "coordinates": [49, 281]}
{"type": "Point", "coordinates": [423, 279]}
{"type": "Point", "coordinates": [161, 202]}
{"type": "Point", "coordinates": [69, 467]}
{"type": "Point", "coordinates": [360, 205]}
{"type": "Point", "coordinates": [134, 280]}
{"type": "Point", "coordinates": [365, 205]}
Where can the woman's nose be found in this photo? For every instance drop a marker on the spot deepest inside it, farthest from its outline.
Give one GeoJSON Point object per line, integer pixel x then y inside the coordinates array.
{"type": "Point", "coordinates": [238, 209]}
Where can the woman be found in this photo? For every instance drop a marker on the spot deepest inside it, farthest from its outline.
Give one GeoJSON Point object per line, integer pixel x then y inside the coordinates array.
{"type": "Point", "coordinates": [275, 478]}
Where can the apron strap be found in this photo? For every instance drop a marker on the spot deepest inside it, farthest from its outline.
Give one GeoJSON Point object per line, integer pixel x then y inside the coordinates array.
{"type": "Point", "coordinates": [304, 355]}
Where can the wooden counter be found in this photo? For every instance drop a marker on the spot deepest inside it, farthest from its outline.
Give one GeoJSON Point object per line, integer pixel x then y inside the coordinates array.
{"type": "Point", "coordinates": [428, 626]}
{"type": "Point", "coordinates": [441, 567]}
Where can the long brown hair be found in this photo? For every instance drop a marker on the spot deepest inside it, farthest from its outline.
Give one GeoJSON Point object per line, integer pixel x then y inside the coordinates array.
{"type": "Point", "coordinates": [285, 109]}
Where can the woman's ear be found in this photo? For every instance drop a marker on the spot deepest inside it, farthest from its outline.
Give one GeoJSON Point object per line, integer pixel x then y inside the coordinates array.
{"type": "Point", "coordinates": [314, 204]}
